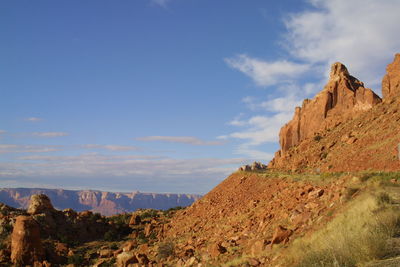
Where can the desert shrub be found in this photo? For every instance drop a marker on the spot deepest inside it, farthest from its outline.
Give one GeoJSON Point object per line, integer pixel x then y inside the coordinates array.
{"type": "Point", "coordinates": [142, 239]}
{"type": "Point", "coordinates": [317, 138]}
{"type": "Point", "coordinates": [166, 249]}
{"type": "Point", "coordinates": [383, 198]}
{"type": "Point", "coordinates": [380, 178]}
{"type": "Point", "coordinates": [76, 259]}
{"type": "Point", "coordinates": [149, 214]}
{"type": "Point", "coordinates": [350, 192]}
{"type": "Point", "coordinates": [120, 218]}
{"type": "Point", "coordinates": [109, 263]}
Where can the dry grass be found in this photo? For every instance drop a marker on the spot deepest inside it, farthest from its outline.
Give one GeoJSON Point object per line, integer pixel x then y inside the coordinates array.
{"type": "Point", "coordinates": [358, 235]}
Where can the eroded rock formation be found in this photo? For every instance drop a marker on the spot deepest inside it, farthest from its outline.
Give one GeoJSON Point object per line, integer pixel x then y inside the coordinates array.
{"type": "Point", "coordinates": [391, 81]}
{"type": "Point", "coordinates": [40, 203]}
{"type": "Point", "coordinates": [26, 246]}
{"type": "Point", "coordinates": [343, 97]}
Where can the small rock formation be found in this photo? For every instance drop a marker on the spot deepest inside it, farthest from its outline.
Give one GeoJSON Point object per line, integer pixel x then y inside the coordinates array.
{"type": "Point", "coordinates": [26, 246]}
{"type": "Point", "coordinates": [135, 220]}
{"type": "Point", "coordinates": [281, 234]}
{"type": "Point", "coordinates": [39, 204]}
{"type": "Point", "coordinates": [342, 97]}
{"type": "Point", "coordinates": [391, 81]}
{"type": "Point", "coordinates": [253, 167]}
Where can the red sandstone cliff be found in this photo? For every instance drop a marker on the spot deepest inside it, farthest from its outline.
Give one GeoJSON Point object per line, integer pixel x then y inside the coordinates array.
{"type": "Point", "coordinates": [343, 97]}
{"type": "Point", "coordinates": [391, 81]}
{"type": "Point", "coordinates": [345, 127]}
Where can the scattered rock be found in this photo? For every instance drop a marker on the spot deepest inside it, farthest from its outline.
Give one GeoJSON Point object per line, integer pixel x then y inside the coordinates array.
{"type": "Point", "coordinates": [253, 167]}
{"type": "Point", "coordinates": [216, 250]}
{"type": "Point", "coordinates": [125, 259]}
{"type": "Point", "coordinates": [281, 234]}
{"type": "Point", "coordinates": [106, 253]}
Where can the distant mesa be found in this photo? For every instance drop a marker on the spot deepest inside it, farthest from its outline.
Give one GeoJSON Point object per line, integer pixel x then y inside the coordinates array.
{"type": "Point", "coordinates": [106, 203]}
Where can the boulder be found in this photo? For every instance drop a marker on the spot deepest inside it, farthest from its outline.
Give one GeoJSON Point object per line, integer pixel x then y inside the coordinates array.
{"type": "Point", "coordinates": [40, 204]}
{"type": "Point", "coordinates": [216, 250]}
{"type": "Point", "coordinates": [125, 259]}
{"type": "Point", "coordinates": [135, 220]}
{"type": "Point", "coordinates": [281, 234]}
{"type": "Point", "coordinates": [391, 81]}
{"type": "Point", "coordinates": [26, 246]}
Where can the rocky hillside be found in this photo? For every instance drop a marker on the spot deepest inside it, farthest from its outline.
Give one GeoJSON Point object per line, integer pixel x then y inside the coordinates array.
{"type": "Point", "coordinates": [106, 203]}
{"type": "Point", "coordinates": [345, 127]}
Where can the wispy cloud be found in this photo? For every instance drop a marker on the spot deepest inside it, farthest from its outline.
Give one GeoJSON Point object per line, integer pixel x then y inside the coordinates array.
{"type": "Point", "coordinates": [110, 147]}
{"type": "Point", "coordinates": [181, 139]}
{"type": "Point", "coordinates": [328, 33]}
{"type": "Point", "coordinates": [316, 37]}
{"type": "Point", "coordinates": [266, 73]}
{"type": "Point", "coordinates": [162, 3]}
{"type": "Point", "coordinates": [33, 119]}
{"type": "Point", "coordinates": [13, 148]}
{"type": "Point", "coordinates": [133, 170]}
{"type": "Point", "coordinates": [50, 134]}
{"type": "Point", "coordinates": [2, 131]}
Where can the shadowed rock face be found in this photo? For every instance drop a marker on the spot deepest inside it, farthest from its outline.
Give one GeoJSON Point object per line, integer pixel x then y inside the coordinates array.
{"type": "Point", "coordinates": [343, 97]}
{"type": "Point", "coordinates": [105, 203]}
{"type": "Point", "coordinates": [26, 246]}
{"type": "Point", "coordinates": [391, 81]}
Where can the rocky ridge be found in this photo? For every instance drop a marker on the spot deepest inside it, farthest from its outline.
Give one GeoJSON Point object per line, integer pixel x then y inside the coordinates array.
{"type": "Point", "coordinates": [346, 127]}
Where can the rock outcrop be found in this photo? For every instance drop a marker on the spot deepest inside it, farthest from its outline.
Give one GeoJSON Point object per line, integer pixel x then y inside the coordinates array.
{"type": "Point", "coordinates": [391, 81]}
{"type": "Point", "coordinates": [40, 203]}
{"type": "Point", "coordinates": [255, 166]}
{"type": "Point", "coordinates": [26, 246]}
{"type": "Point", "coordinates": [346, 127]}
{"type": "Point", "coordinates": [342, 97]}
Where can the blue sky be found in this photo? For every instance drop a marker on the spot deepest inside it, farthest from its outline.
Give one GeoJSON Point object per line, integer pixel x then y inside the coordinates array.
{"type": "Point", "coordinates": [168, 95]}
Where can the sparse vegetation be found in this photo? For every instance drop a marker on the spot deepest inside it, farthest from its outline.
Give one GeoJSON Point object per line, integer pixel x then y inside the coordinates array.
{"type": "Point", "coordinates": [317, 138]}
{"type": "Point", "coordinates": [165, 249]}
{"type": "Point", "coordinates": [358, 235]}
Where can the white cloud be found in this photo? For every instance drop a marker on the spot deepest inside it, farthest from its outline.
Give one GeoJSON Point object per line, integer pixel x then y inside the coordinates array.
{"type": "Point", "coordinates": [262, 129]}
{"type": "Point", "coordinates": [50, 134]}
{"type": "Point", "coordinates": [266, 73]}
{"type": "Point", "coordinates": [33, 119]}
{"type": "Point", "coordinates": [362, 34]}
{"type": "Point", "coordinates": [96, 165]}
{"type": "Point", "coordinates": [162, 3]}
{"type": "Point", "coordinates": [12, 148]}
{"type": "Point", "coordinates": [110, 147]}
{"type": "Point", "coordinates": [181, 139]}
{"type": "Point", "coordinates": [2, 131]}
